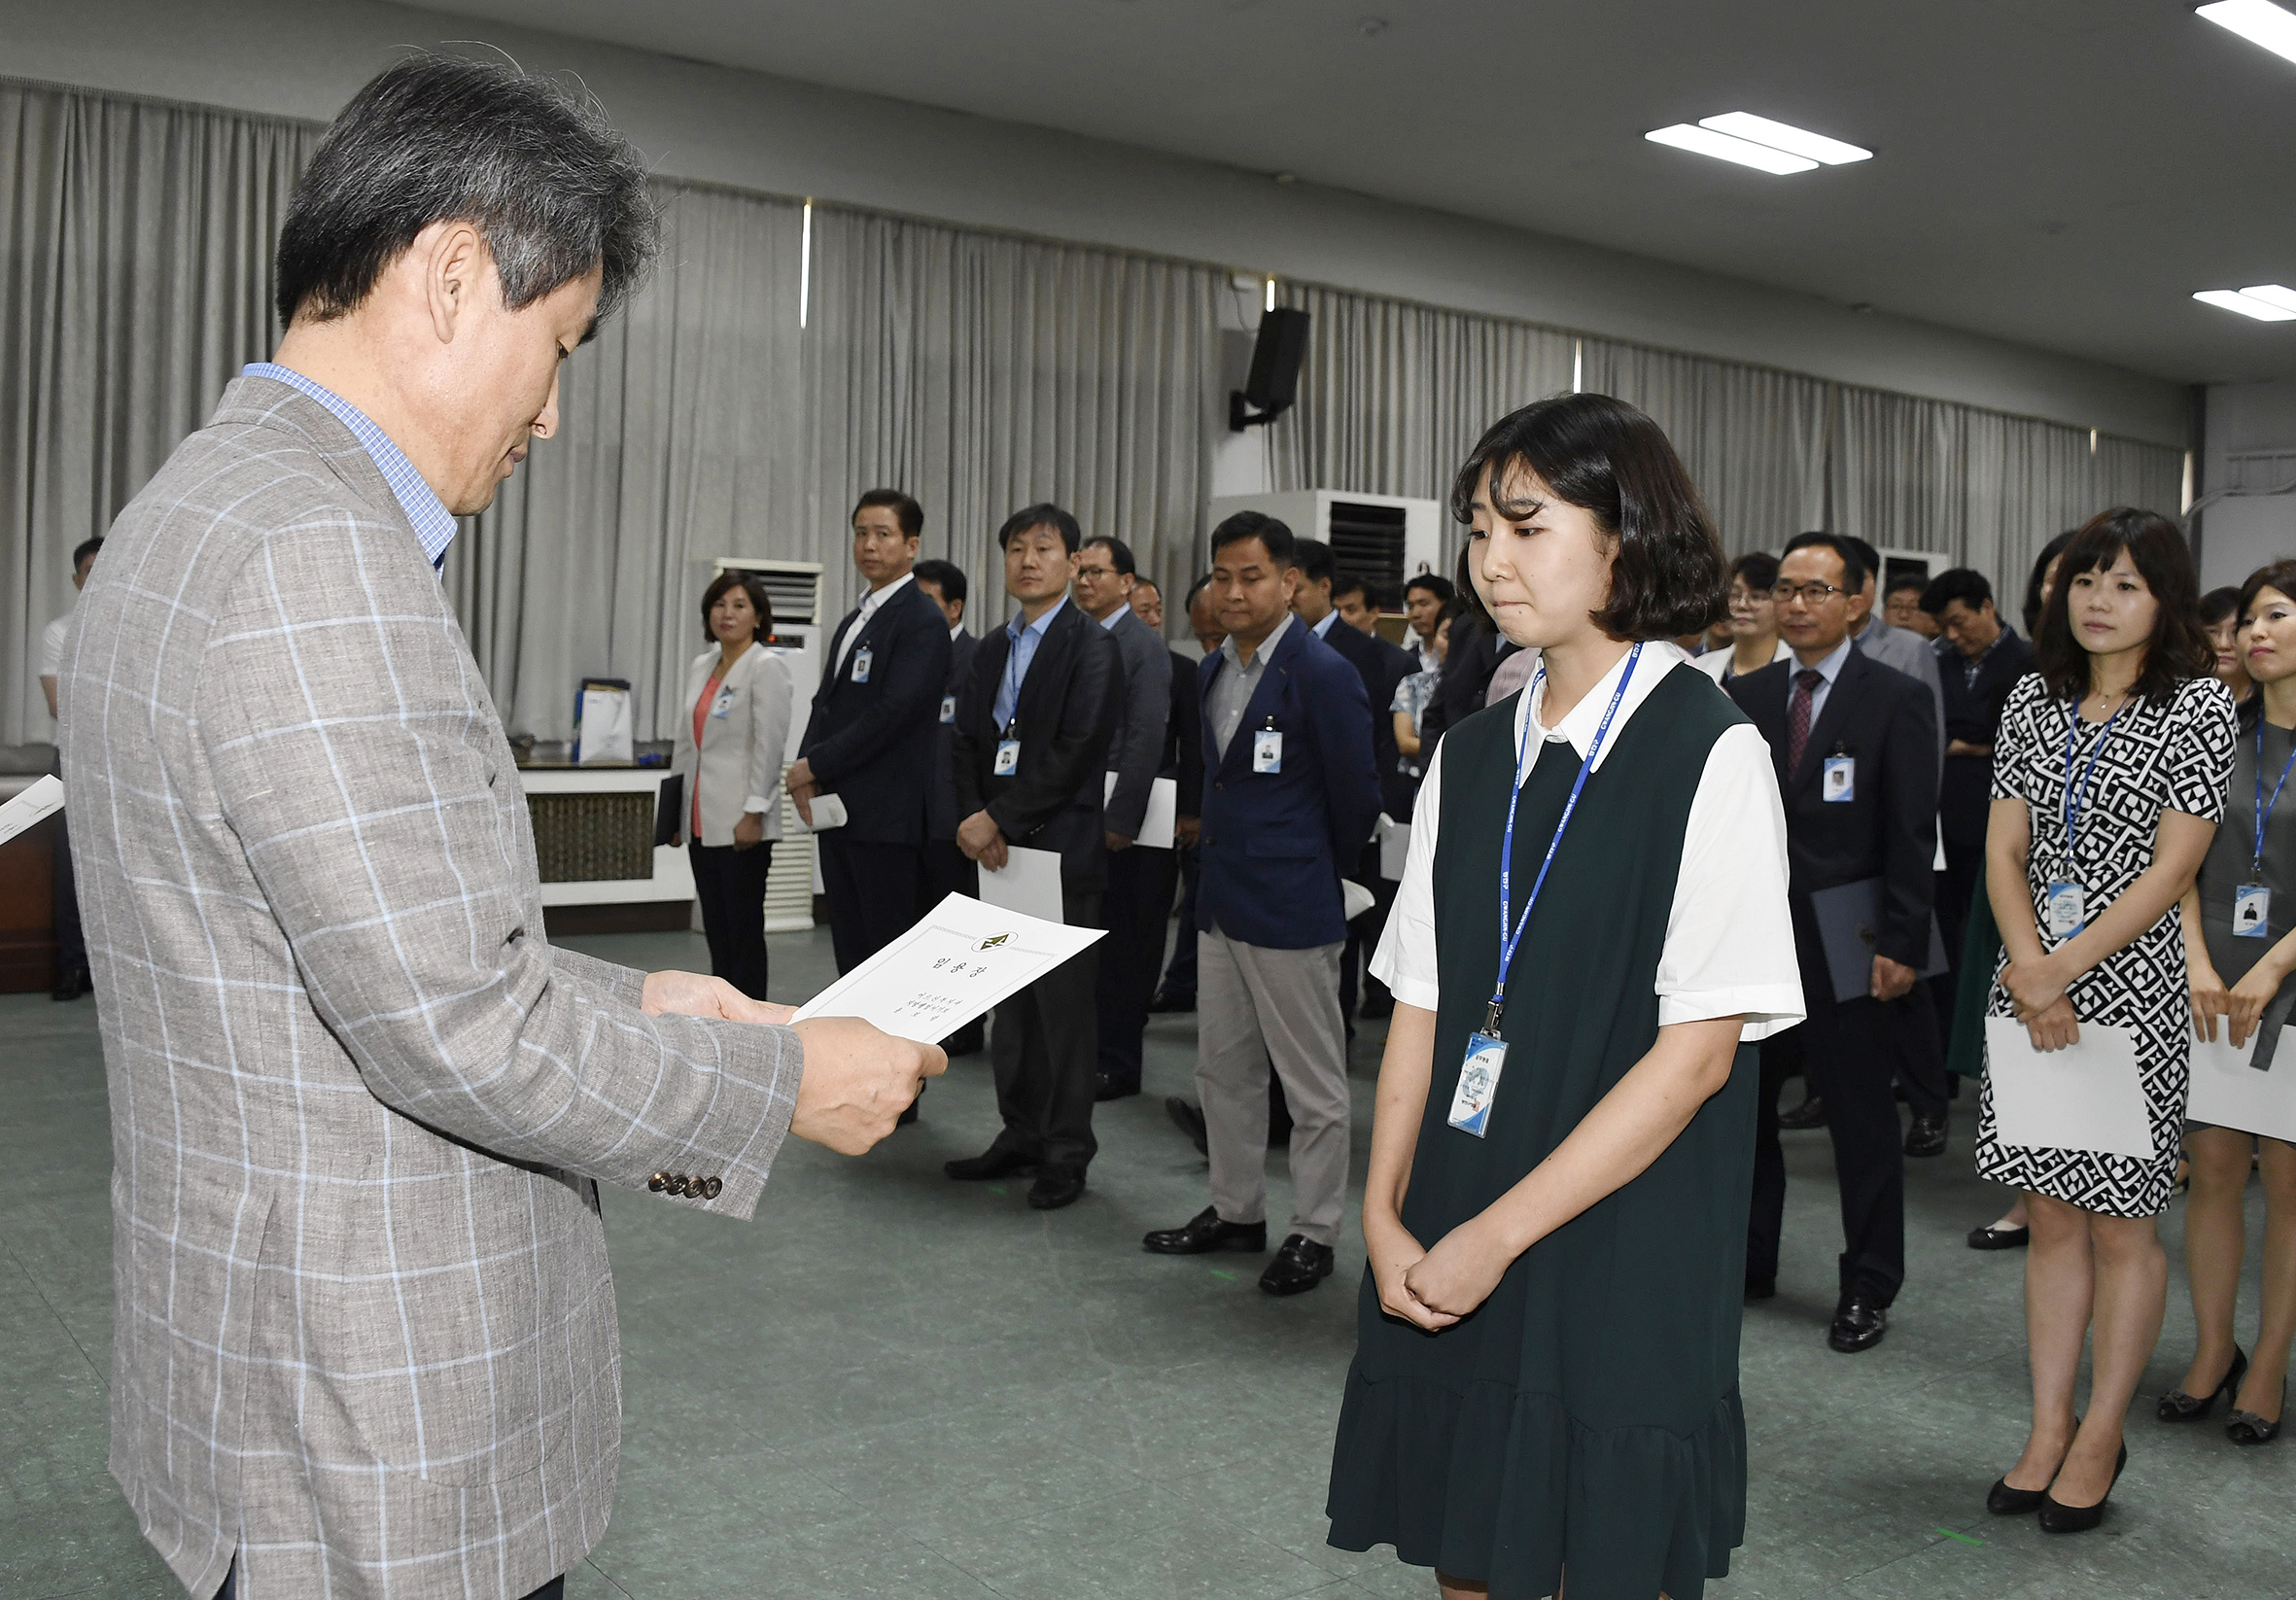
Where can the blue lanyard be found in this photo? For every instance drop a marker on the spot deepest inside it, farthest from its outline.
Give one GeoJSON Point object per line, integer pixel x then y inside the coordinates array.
{"type": "Point", "coordinates": [1507, 941]}
{"type": "Point", "coordinates": [2074, 799]}
{"type": "Point", "coordinates": [2263, 810]}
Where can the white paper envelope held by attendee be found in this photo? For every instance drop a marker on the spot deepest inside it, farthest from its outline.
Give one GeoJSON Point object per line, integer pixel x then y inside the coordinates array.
{"type": "Point", "coordinates": [1163, 799]}
{"type": "Point", "coordinates": [1355, 899]}
{"type": "Point", "coordinates": [1395, 847]}
{"type": "Point", "coordinates": [2087, 1096]}
{"type": "Point", "coordinates": [829, 812]}
{"type": "Point", "coordinates": [2229, 1092]}
{"type": "Point", "coordinates": [1028, 883]}
{"type": "Point", "coordinates": [958, 961]}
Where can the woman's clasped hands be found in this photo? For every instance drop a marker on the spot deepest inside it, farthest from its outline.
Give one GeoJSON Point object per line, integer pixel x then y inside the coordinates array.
{"type": "Point", "coordinates": [2037, 990]}
{"type": "Point", "coordinates": [1432, 1289]}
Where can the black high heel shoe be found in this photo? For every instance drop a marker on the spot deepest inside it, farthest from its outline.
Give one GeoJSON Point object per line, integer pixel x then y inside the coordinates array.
{"type": "Point", "coordinates": [2003, 1500]}
{"type": "Point", "coordinates": [2248, 1428]}
{"type": "Point", "coordinates": [2178, 1407]}
{"type": "Point", "coordinates": [2059, 1517]}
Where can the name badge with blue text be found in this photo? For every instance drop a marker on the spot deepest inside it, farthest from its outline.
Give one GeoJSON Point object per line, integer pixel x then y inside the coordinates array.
{"type": "Point", "coordinates": [1841, 780]}
{"type": "Point", "coordinates": [2251, 912]}
{"type": "Point", "coordinates": [948, 708]}
{"type": "Point", "coordinates": [1008, 757]}
{"type": "Point", "coordinates": [1479, 1084]}
{"type": "Point", "coordinates": [724, 704]}
{"type": "Point", "coordinates": [1268, 750]}
{"type": "Point", "coordinates": [861, 665]}
{"type": "Point", "coordinates": [2065, 910]}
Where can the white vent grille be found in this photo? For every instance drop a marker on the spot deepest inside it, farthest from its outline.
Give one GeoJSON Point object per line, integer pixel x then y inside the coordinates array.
{"type": "Point", "coordinates": [794, 585]}
{"type": "Point", "coordinates": [789, 879]}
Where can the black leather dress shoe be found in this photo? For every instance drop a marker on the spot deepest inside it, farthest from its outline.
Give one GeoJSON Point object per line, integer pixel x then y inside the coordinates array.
{"type": "Point", "coordinates": [70, 986]}
{"type": "Point", "coordinates": [993, 1163]}
{"type": "Point", "coordinates": [2178, 1407]}
{"type": "Point", "coordinates": [1299, 1266]}
{"type": "Point", "coordinates": [1926, 1137]}
{"type": "Point", "coordinates": [1189, 1120]}
{"type": "Point", "coordinates": [1172, 1003]}
{"type": "Point", "coordinates": [1058, 1186]}
{"type": "Point", "coordinates": [1859, 1324]}
{"type": "Point", "coordinates": [1760, 1288]}
{"type": "Point", "coordinates": [1106, 1086]}
{"type": "Point", "coordinates": [1993, 1238]}
{"type": "Point", "coordinates": [1204, 1232]}
{"type": "Point", "coordinates": [2058, 1517]}
{"type": "Point", "coordinates": [2002, 1501]}
{"type": "Point", "coordinates": [1811, 1113]}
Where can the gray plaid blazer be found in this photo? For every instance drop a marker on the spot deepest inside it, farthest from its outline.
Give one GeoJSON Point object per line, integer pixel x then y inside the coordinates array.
{"type": "Point", "coordinates": [365, 1331]}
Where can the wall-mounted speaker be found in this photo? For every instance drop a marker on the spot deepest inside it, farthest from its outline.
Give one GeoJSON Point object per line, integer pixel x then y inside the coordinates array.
{"type": "Point", "coordinates": [1274, 380]}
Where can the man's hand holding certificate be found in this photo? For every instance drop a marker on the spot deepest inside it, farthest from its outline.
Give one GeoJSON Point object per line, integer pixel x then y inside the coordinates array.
{"type": "Point", "coordinates": [957, 962]}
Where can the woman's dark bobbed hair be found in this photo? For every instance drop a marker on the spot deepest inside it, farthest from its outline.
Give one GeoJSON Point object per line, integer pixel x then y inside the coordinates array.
{"type": "Point", "coordinates": [751, 584]}
{"type": "Point", "coordinates": [2180, 649]}
{"type": "Point", "coordinates": [1668, 576]}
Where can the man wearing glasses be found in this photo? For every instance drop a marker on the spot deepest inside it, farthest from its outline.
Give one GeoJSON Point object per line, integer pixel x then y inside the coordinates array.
{"type": "Point", "coordinates": [1854, 743]}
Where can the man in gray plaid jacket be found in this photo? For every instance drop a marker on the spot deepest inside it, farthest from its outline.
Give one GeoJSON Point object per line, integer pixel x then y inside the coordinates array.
{"type": "Point", "coordinates": [365, 1341]}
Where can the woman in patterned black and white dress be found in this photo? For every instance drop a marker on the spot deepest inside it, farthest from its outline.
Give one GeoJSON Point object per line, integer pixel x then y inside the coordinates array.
{"type": "Point", "coordinates": [2109, 781]}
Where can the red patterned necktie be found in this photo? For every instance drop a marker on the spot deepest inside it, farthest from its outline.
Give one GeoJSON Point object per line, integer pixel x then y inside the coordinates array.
{"type": "Point", "coordinates": [1797, 716]}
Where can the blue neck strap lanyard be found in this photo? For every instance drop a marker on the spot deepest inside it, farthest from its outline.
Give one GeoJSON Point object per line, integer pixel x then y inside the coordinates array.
{"type": "Point", "coordinates": [2263, 808]}
{"type": "Point", "coordinates": [1508, 941]}
{"type": "Point", "coordinates": [2075, 799]}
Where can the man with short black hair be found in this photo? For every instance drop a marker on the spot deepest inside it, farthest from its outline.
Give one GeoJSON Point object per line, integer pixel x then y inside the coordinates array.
{"type": "Point", "coordinates": [1104, 576]}
{"type": "Point", "coordinates": [1178, 990]}
{"type": "Point", "coordinates": [1290, 795]}
{"type": "Point", "coordinates": [1351, 597]}
{"type": "Point", "coordinates": [870, 739]}
{"type": "Point", "coordinates": [1901, 606]}
{"type": "Point", "coordinates": [1147, 601]}
{"type": "Point", "coordinates": [364, 1338]}
{"type": "Point", "coordinates": [1034, 727]}
{"type": "Point", "coordinates": [1424, 597]}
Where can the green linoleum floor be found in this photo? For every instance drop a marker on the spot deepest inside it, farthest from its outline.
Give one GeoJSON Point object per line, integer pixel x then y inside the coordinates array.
{"type": "Point", "coordinates": [889, 1384]}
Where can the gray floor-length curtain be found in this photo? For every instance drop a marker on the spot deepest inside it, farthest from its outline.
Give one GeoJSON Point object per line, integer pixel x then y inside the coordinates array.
{"type": "Point", "coordinates": [982, 372]}
{"type": "Point", "coordinates": [135, 280]}
{"type": "Point", "coordinates": [1393, 395]}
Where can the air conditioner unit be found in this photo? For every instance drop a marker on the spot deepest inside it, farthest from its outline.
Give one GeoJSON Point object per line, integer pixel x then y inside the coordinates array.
{"type": "Point", "coordinates": [800, 637]}
{"type": "Point", "coordinates": [1385, 540]}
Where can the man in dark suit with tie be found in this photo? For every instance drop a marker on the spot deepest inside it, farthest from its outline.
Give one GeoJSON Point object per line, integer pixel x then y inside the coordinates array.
{"type": "Point", "coordinates": [1854, 744]}
{"type": "Point", "coordinates": [870, 740]}
{"type": "Point", "coordinates": [1381, 666]}
{"type": "Point", "coordinates": [1290, 795]}
{"type": "Point", "coordinates": [1033, 726]}
{"type": "Point", "coordinates": [947, 871]}
{"type": "Point", "coordinates": [1981, 657]}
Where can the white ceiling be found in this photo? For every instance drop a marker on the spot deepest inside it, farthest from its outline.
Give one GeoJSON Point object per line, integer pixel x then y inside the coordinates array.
{"type": "Point", "coordinates": [2059, 173]}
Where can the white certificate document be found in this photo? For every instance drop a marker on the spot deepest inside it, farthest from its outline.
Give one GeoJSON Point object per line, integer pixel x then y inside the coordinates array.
{"type": "Point", "coordinates": [1156, 827]}
{"type": "Point", "coordinates": [829, 812]}
{"type": "Point", "coordinates": [2088, 1097]}
{"type": "Point", "coordinates": [960, 961]}
{"type": "Point", "coordinates": [1030, 883]}
{"type": "Point", "coordinates": [1395, 847]}
{"type": "Point", "coordinates": [2231, 1094]}
{"type": "Point", "coordinates": [43, 795]}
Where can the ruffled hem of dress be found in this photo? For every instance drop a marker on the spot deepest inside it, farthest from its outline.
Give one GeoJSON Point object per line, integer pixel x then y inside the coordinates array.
{"type": "Point", "coordinates": [1507, 1486]}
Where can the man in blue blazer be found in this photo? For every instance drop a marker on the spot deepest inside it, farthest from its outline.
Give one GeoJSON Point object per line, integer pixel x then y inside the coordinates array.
{"type": "Point", "coordinates": [1290, 791]}
{"type": "Point", "coordinates": [871, 739]}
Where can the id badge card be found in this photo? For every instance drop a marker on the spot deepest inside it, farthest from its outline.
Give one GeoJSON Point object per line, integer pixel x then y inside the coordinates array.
{"type": "Point", "coordinates": [2067, 910]}
{"type": "Point", "coordinates": [1841, 780]}
{"type": "Point", "coordinates": [948, 708]}
{"type": "Point", "coordinates": [2251, 912]}
{"type": "Point", "coordinates": [724, 705]}
{"type": "Point", "coordinates": [1008, 757]}
{"type": "Point", "coordinates": [1268, 750]}
{"type": "Point", "coordinates": [861, 665]}
{"type": "Point", "coordinates": [1479, 1084]}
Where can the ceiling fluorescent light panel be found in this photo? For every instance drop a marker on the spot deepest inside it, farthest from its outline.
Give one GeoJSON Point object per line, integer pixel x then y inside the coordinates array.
{"type": "Point", "coordinates": [2273, 293]}
{"type": "Point", "coordinates": [1795, 140]}
{"type": "Point", "coordinates": [2259, 21]}
{"type": "Point", "coordinates": [2247, 306]}
{"type": "Point", "coordinates": [1723, 147]}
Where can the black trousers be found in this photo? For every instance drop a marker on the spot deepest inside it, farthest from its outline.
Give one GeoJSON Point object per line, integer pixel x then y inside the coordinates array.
{"type": "Point", "coordinates": [1917, 1048]}
{"type": "Point", "coordinates": [948, 870]}
{"type": "Point", "coordinates": [1839, 1049]}
{"type": "Point", "coordinates": [872, 894]}
{"type": "Point", "coordinates": [1179, 977]}
{"type": "Point", "coordinates": [554, 1589]}
{"type": "Point", "coordinates": [1044, 1047]}
{"type": "Point", "coordinates": [1363, 936]}
{"type": "Point", "coordinates": [1136, 905]}
{"type": "Point", "coordinates": [71, 945]}
{"type": "Point", "coordinates": [1958, 888]}
{"type": "Point", "coordinates": [730, 885]}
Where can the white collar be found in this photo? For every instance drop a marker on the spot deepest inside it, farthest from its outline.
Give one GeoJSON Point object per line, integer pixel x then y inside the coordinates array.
{"type": "Point", "coordinates": [1660, 656]}
{"type": "Point", "coordinates": [877, 597]}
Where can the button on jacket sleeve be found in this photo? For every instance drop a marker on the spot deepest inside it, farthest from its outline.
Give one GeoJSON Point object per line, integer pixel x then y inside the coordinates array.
{"type": "Point", "coordinates": [364, 793]}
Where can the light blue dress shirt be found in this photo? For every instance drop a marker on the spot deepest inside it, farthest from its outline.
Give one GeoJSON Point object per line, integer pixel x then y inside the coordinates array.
{"type": "Point", "coordinates": [433, 524]}
{"type": "Point", "coordinates": [1828, 670]}
{"type": "Point", "coordinates": [1325, 626]}
{"type": "Point", "coordinates": [1025, 641]}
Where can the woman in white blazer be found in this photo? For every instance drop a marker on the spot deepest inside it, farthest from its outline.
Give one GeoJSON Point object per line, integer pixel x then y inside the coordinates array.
{"type": "Point", "coordinates": [732, 727]}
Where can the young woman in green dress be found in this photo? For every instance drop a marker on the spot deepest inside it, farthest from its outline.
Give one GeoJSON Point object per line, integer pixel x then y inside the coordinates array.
{"type": "Point", "coordinates": [1591, 928]}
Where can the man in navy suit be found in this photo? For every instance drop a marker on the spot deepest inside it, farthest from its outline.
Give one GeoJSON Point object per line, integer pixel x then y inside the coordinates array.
{"type": "Point", "coordinates": [870, 740]}
{"type": "Point", "coordinates": [1855, 748]}
{"type": "Point", "coordinates": [947, 871]}
{"type": "Point", "coordinates": [1291, 793]}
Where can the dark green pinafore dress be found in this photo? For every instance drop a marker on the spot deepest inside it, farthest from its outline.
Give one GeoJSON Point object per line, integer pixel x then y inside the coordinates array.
{"type": "Point", "coordinates": [1585, 1416]}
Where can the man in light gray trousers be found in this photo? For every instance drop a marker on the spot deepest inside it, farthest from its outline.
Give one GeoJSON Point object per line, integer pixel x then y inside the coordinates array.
{"type": "Point", "coordinates": [366, 1345]}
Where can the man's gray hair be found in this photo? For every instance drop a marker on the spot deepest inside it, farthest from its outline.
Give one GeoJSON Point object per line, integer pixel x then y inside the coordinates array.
{"type": "Point", "coordinates": [538, 170]}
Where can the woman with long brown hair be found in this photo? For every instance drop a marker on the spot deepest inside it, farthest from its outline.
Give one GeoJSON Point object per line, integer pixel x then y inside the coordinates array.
{"type": "Point", "coordinates": [2109, 781]}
